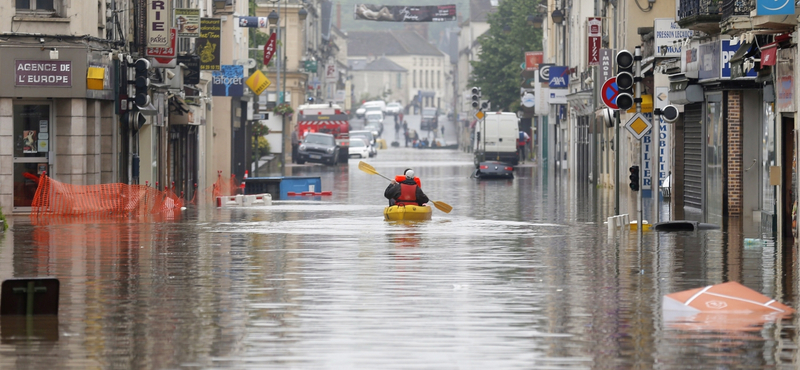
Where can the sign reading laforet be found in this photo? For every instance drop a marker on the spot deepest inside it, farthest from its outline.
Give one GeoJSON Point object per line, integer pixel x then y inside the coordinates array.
{"type": "Point", "coordinates": [228, 81]}
{"type": "Point", "coordinates": [403, 13]}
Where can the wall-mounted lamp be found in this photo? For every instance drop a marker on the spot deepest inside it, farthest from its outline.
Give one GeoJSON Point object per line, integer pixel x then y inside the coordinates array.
{"type": "Point", "coordinates": [53, 53]}
{"type": "Point", "coordinates": [506, 28]}
{"type": "Point", "coordinates": [535, 21]}
{"type": "Point", "coordinates": [557, 16]}
{"type": "Point", "coordinates": [302, 13]}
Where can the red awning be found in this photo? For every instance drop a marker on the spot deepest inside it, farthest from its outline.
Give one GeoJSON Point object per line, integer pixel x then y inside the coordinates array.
{"type": "Point", "coordinates": [769, 54]}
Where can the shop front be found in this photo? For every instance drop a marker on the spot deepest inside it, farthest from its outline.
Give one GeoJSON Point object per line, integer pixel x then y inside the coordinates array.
{"type": "Point", "coordinates": [56, 117]}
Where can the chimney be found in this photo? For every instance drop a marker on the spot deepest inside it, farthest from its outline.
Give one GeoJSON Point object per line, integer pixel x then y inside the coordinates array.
{"type": "Point", "coordinates": [339, 16]}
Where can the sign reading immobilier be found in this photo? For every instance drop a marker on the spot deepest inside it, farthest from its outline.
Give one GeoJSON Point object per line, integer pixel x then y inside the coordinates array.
{"type": "Point", "coordinates": [40, 73]}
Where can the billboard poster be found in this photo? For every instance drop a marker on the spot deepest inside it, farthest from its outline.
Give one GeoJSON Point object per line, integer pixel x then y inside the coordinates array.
{"type": "Point", "coordinates": [187, 22]}
{"type": "Point", "coordinates": [208, 43]}
{"type": "Point", "coordinates": [253, 22]}
{"type": "Point", "coordinates": [228, 81]}
{"type": "Point", "coordinates": [403, 13]}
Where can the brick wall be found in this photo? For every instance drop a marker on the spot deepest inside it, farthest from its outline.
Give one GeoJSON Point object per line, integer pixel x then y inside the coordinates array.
{"type": "Point", "coordinates": [734, 153]}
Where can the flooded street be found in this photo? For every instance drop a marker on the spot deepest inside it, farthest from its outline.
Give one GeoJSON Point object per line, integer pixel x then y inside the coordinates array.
{"type": "Point", "coordinates": [520, 275]}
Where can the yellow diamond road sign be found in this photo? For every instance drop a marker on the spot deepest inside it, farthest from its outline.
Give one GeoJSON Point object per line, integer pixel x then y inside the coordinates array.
{"type": "Point", "coordinates": [479, 114]}
{"type": "Point", "coordinates": [638, 125]}
{"type": "Point", "coordinates": [258, 82]}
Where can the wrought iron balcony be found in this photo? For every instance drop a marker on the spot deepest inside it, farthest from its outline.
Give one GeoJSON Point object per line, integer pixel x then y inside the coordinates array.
{"type": "Point", "coordinates": [732, 8]}
{"type": "Point", "coordinates": [700, 15]}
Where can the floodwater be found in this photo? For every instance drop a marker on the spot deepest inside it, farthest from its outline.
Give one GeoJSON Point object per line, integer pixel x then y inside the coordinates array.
{"type": "Point", "coordinates": [520, 275]}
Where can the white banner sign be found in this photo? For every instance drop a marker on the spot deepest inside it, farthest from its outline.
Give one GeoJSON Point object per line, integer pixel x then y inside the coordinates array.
{"type": "Point", "coordinates": [159, 16]}
{"type": "Point", "coordinates": [667, 32]}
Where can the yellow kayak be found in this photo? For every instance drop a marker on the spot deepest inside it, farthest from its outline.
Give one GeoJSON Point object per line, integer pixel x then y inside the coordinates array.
{"type": "Point", "coordinates": [407, 213]}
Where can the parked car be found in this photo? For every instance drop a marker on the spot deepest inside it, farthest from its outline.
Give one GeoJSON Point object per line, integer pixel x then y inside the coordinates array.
{"type": "Point", "coordinates": [358, 148]}
{"type": "Point", "coordinates": [319, 148]}
{"type": "Point", "coordinates": [494, 170]}
{"type": "Point", "coordinates": [375, 128]}
{"type": "Point", "coordinates": [430, 119]}
{"type": "Point", "coordinates": [369, 138]}
{"type": "Point", "coordinates": [361, 111]}
{"type": "Point", "coordinates": [376, 103]}
{"type": "Point", "coordinates": [375, 119]}
{"type": "Point", "coordinates": [394, 108]}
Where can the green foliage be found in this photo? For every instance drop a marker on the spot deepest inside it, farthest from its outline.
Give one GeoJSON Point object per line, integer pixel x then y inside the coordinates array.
{"type": "Point", "coordinates": [497, 72]}
{"type": "Point", "coordinates": [283, 109]}
{"type": "Point", "coordinates": [261, 148]}
{"type": "Point", "coordinates": [3, 220]}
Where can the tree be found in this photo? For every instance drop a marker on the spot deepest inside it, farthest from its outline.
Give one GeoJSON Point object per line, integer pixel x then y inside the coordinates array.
{"type": "Point", "coordinates": [502, 50]}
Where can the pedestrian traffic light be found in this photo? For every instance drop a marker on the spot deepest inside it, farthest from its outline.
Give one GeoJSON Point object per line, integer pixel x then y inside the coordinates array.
{"type": "Point", "coordinates": [142, 81]}
{"type": "Point", "coordinates": [133, 120]}
{"type": "Point", "coordinates": [634, 178]}
{"type": "Point", "coordinates": [476, 97]}
{"type": "Point", "coordinates": [625, 80]}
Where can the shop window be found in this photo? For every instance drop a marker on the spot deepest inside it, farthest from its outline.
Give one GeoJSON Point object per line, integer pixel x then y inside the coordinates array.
{"type": "Point", "coordinates": [31, 147]}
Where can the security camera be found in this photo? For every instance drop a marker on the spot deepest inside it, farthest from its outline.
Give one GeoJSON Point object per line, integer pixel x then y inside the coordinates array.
{"type": "Point", "coordinates": [589, 80]}
{"type": "Point", "coordinates": [170, 74]}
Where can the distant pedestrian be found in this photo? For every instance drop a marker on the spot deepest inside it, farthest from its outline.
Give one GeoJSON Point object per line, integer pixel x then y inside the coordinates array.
{"type": "Point", "coordinates": [407, 137]}
{"type": "Point", "coordinates": [405, 125]}
{"type": "Point", "coordinates": [442, 128]}
{"type": "Point", "coordinates": [401, 116]}
{"type": "Point", "coordinates": [295, 144]}
{"type": "Point", "coordinates": [522, 142]}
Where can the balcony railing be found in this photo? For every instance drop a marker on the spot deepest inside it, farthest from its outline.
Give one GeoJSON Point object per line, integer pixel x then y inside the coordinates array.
{"type": "Point", "coordinates": [702, 15]}
{"type": "Point", "coordinates": [732, 8]}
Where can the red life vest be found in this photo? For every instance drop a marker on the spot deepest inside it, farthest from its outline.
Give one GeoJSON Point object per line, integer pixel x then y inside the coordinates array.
{"type": "Point", "coordinates": [408, 195]}
{"type": "Point", "coordinates": [401, 178]}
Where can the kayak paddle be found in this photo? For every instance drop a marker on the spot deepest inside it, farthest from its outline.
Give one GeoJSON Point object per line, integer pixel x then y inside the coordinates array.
{"type": "Point", "coordinates": [364, 166]}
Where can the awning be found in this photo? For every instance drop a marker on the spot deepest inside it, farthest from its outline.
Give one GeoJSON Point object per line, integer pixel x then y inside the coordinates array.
{"type": "Point", "coordinates": [769, 54]}
{"type": "Point", "coordinates": [746, 50]}
{"type": "Point", "coordinates": [647, 104]}
{"type": "Point", "coordinates": [181, 113]}
{"type": "Point", "coordinates": [582, 102]}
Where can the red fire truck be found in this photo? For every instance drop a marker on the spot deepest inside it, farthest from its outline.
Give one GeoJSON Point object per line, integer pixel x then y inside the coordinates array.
{"type": "Point", "coordinates": [327, 118]}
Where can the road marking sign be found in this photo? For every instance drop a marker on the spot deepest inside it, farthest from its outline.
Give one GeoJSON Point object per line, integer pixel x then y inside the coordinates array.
{"type": "Point", "coordinates": [638, 126]}
{"type": "Point", "coordinates": [609, 93]}
{"type": "Point", "coordinates": [479, 114]}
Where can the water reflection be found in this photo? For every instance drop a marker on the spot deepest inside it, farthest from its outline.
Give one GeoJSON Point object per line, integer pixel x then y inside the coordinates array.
{"type": "Point", "coordinates": [519, 275]}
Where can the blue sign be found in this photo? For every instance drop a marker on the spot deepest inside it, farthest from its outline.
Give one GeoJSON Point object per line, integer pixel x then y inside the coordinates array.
{"type": "Point", "coordinates": [727, 53]}
{"type": "Point", "coordinates": [559, 77]}
{"type": "Point", "coordinates": [775, 7]}
{"type": "Point", "coordinates": [228, 81]}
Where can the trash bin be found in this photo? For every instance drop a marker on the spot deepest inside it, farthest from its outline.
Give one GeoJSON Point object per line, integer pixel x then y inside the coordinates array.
{"type": "Point", "coordinates": [299, 184]}
{"type": "Point", "coordinates": [279, 186]}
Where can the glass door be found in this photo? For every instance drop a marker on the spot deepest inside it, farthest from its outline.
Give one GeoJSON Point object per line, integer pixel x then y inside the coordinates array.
{"type": "Point", "coordinates": [715, 159]}
{"type": "Point", "coordinates": [31, 150]}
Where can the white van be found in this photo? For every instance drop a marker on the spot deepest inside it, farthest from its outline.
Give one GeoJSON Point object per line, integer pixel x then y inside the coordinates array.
{"type": "Point", "coordinates": [496, 138]}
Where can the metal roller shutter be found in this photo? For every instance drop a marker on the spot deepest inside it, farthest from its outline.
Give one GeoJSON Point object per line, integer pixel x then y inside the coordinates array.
{"type": "Point", "coordinates": [693, 156]}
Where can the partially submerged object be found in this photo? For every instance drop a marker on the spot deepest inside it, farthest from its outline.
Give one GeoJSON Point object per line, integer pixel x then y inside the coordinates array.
{"type": "Point", "coordinates": [722, 307]}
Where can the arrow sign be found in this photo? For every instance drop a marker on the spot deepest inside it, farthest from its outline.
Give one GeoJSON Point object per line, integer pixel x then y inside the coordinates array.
{"type": "Point", "coordinates": [609, 93]}
{"type": "Point", "coordinates": [269, 49]}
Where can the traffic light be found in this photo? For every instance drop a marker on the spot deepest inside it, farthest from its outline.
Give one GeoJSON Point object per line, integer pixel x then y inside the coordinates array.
{"type": "Point", "coordinates": [634, 178]}
{"type": "Point", "coordinates": [133, 120]}
{"type": "Point", "coordinates": [476, 97]}
{"type": "Point", "coordinates": [142, 81]}
{"type": "Point", "coordinates": [625, 80]}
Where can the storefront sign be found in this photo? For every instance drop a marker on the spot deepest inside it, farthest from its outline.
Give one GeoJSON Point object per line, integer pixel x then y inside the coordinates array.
{"type": "Point", "coordinates": [404, 13]}
{"type": "Point", "coordinates": [191, 74]}
{"type": "Point", "coordinates": [558, 96]}
{"type": "Point", "coordinates": [187, 22]}
{"type": "Point", "coordinates": [40, 73]}
{"type": "Point", "coordinates": [774, 7]}
{"type": "Point", "coordinates": [727, 50]}
{"type": "Point", "coordinates": [533, 59]}
{"type": "Point", "coordinates": [158, 23]}
{"type": "Point", "coordinates": [254, 22]}
{"type": "Point", "coordinates": [784, 88]}
{"type": "Point", "coordinates": [228, 81]}
{"type": "Point", "coordinates": [668, 36]}
{"type": "Point", "coordinates": [595, 32]}
{"type": "Point", "coordinates": [165, 53]}
{"type": "Point", "coordinates": [559, 77]}
{"type": "Point", "coordinates": [209, 44]}
{"type": "Point", "coordinates": [708, 60]}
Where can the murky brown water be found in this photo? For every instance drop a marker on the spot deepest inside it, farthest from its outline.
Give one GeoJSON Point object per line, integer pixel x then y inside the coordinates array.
{"type": "Point", "coordinates": [520, 275]}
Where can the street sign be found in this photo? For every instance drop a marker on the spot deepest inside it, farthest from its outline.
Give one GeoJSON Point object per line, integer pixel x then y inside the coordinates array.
{"type": "Point", "coordinates": [609, 93]}
{"type": "Point", "coordinates": [479, 115]}
{"type": "Point", "coordinates": [258, 82]}
{"type": "Point", "coordinates": [528, 100]}
{"type": "Point", "coordinates": [638, 126]}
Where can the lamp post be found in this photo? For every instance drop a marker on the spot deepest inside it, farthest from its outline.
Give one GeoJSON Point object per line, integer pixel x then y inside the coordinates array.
{"type": "Point", "coordinates": [558, 18]}
{"type": "Point", "coordinates": [274, 21]}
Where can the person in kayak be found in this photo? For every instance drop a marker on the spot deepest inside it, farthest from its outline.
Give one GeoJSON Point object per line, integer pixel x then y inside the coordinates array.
{"type": "Point", "coordinates": [406, 190]}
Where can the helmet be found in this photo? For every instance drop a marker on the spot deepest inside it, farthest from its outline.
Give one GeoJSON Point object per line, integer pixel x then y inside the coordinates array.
{"type": "Point", "coordinates": [409, 173]}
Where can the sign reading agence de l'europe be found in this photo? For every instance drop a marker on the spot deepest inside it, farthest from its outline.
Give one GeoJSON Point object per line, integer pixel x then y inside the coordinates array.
{"type": "Point", "coordinates": [43, 73]}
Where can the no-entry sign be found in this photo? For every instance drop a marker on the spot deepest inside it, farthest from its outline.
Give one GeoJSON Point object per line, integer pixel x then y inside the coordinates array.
{"type": "Point", "coordinates": [609, 93]}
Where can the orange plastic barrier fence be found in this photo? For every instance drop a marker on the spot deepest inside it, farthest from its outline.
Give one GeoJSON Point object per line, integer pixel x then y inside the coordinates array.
{"type": "Point", "coordinates": [223, 187]}
{"type": "Point", "coordinates": [57, 198]}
